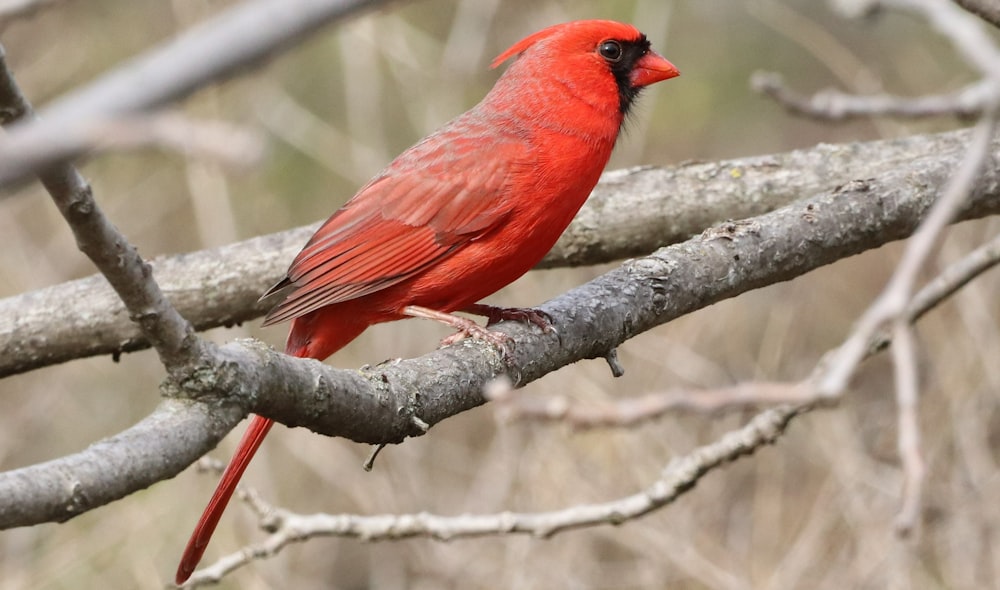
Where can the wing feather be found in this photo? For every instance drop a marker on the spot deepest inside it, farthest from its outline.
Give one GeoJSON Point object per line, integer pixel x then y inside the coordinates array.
{"type": "Point", "coordinates": [439, 195]}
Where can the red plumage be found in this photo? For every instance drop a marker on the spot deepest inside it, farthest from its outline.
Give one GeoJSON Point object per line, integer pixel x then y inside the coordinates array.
{"type": "Point", "coordinates": [465, 211]}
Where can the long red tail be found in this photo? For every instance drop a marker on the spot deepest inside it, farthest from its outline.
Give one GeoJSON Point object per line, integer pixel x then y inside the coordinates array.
{"type": "Point", "coordinates": [316, 335]}
{"type": "Point", "coordinates": [248, 446]}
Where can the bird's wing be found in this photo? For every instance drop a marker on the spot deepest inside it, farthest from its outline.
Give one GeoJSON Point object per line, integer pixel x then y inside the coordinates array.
{"type": "Point", "coordinates": [420, 210]}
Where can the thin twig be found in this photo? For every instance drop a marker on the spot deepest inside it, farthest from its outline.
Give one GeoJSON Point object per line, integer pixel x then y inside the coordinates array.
{"type": "Point", "coordinates": [904, 356]}
{"type": "Point", "coordinates": [222, 142]}
{"type": "Point", "coordinates": [833, 105]}
{"type": "Point", "coordinates": [512, 405]}
{"type": "Point", "coordinates": [988, 10]}
{"type": "Point", "coordinates": [679, 476]}
{"type": "Point", "coordinates": [965, 32]}
{"type": "Point", "coordinates": [894, 299]}
{"type": "Point", "coordinates": [206, 53]}
{"type": "Point", "coordinates": [890, 309]}
{"type": "Point", "coordinates": [955, 276]}
{"type": "Point", "coordinates": [130, 276]}
{"type": "Point", "coordinates": [628, 412]}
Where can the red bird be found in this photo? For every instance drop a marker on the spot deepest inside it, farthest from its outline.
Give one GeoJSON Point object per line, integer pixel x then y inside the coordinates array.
{"type": "Point", "coordinates": [462, 213]}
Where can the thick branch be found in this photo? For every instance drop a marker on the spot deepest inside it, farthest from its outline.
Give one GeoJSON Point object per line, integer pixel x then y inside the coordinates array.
{"type": "Point", "coordinates": [627, 412]}
{"type": "Point", "coordinates": [160, 446]}
{"type": "Point", "coordinates": [204, 54]}
{"type": "Point", "coordinates": [379, 404]}
{"type": "Point", "coordinates": [81, 318]}
{"type": "Point", "coordinates": [220, 286]}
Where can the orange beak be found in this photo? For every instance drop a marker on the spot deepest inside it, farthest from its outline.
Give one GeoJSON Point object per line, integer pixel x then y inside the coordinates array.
{"type": "Point", "coordinates": [652, 68]}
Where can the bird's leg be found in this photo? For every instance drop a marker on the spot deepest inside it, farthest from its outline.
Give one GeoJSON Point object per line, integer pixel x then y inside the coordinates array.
{"type": "Point", "coordinates": [494, 314]}
{"type": "Point", "coordinates": [466, 327]}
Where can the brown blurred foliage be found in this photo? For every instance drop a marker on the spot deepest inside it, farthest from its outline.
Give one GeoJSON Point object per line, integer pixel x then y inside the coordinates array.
{"type": "Point", "coordinates": [815, 511]}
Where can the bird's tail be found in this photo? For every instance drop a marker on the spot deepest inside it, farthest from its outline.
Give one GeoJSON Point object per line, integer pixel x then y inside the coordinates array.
{"type": "Point", "coordinates": [254, 435]}
{"type": "Point", "coordinates": [304, 341]}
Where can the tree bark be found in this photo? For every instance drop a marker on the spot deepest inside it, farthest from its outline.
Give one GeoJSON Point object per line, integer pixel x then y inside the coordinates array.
{"type": "Point", "coordinates": [631, 213]}
{"type": "Point", "coordinates": [389, 402]}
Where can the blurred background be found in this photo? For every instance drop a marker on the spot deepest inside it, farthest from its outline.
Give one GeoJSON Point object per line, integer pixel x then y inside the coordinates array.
{"type": "Point", "coordinates": [814, 511]}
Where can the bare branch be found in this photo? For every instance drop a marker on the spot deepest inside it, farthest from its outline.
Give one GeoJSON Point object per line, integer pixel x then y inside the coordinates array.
{"type": "Point", "coordinates": [955, 276]}
{"type": "Point", "coordinates": [943, 286]}
{"type": "Point", "coordinates": [628, 412]}
{"type": "Point", "coordinates": [223, 142]}
{"type": "Point", "coordinates": [221, 286]}
{"type": "Point", "coordinates": [894, 299]}
{"type": "Point", "coordinates": [833, 105]}
{"type": "Point", "coordinates": [679, 476]}
{"type": "Point", "coordinates": [985, 9]}
{"type": "Point", "coordinates": [904, 356]}
{"type": "Point", "coordinates": [181, 430]}
{"type": "Point", "coordinates": [157, 448]}
{"type": "Point", "coordinates": [377, 405]}
{"type": "Point", "coordinates": [206, 53]}
{"type": "Point", "coordinates": [118, 261]}
{"type": "Point", "coordinates": [216, 287]}
{"type": "Point", "coordinates": [965, 32]}
{"type": "Point", "coordinates": [890, 308]}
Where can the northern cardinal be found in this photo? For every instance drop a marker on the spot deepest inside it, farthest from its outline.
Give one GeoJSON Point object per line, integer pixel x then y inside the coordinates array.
{"type": "Point", "coordinates": [462, 213]}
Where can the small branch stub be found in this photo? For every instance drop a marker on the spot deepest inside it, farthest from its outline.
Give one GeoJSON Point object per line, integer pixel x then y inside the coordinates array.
{"type": "Point", "coordinates": [616, 366]}
{"type": "Point", "coordinates": [369, 463]}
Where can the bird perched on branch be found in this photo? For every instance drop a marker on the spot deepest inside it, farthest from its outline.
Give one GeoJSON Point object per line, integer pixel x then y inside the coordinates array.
{"type": "Point", "coordinates": [462, 213]}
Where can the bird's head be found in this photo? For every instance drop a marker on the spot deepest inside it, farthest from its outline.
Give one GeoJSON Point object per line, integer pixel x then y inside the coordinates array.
{"type": "Point", "coordinates": [589, 54]}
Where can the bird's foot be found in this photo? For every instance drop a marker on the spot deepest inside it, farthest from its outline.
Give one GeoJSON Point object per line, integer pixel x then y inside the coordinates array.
{"type": "Point", "coordinates": [477, 332]}
{"type": "Point", "coordinates": [466, 328]}
{"type": "Point", "coordinates": [494, 314]}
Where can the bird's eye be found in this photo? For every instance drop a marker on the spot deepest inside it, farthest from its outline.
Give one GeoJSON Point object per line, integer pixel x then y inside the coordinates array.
{"type": "Point", "coordinates": [610, 50]}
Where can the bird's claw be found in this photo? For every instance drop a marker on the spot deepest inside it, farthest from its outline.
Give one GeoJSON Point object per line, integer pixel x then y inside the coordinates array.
{"type": "Point", "coordinates": [529, 315]}
{"type": "Point", "coordinates": [477, 332]}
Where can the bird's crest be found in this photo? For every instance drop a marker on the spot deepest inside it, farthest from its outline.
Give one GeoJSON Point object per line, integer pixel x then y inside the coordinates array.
{"type": "Point", "coordinates": [523, 44]}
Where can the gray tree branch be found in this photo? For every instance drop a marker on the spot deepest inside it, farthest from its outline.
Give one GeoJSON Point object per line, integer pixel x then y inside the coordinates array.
{"type": "Point", "coordinates": [119, 262]}
{"type": "Point", "coordinates": [164, 443]}
{"type": "Point", "coordinates": [678, 476]}
{"type": "Point", "coordinates": [835, 106]}
{"type": "Point", "coordinates": [390, 402]}
{"type": "Point", "coordinates": [988, 10]}
{"type": "Point", "coordinates": [204, 54]}
{"type": "Point", "coordinates": [630, 411]}
{"type": "Point", "coordinates": [220, 287]}
{"type": "Point", "coordinates": [965, 32]}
